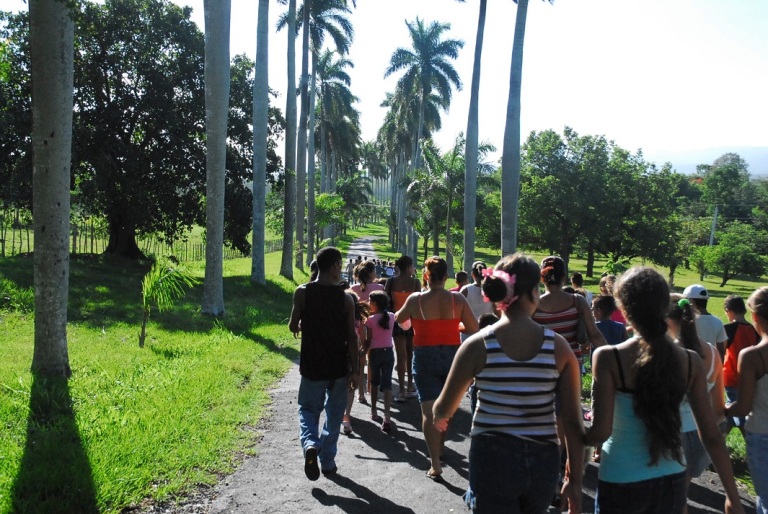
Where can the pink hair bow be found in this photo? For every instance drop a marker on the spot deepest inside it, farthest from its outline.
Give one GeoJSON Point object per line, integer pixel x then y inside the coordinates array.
{"type": "Point", "coordinates": [509, 281]}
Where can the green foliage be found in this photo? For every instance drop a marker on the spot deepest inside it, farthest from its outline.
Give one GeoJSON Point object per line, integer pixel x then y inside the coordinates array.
{"type": "Point", "coordinates": [16, 299]}
{"type": "Point", "coordinates": [736, 252]}
{"type": "Point", "coordinates": [162, 286]}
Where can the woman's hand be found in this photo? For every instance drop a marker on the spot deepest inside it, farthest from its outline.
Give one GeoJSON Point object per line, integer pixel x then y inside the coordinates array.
{"type": "Point", "coordinates": [441, 425]}
{"type": "Point", "coordinates": [571, 496]}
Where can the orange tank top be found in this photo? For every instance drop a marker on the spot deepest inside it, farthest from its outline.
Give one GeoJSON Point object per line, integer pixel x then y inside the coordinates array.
{"type": "Point", "coordinates": [399, 298]}
{"type": "Point", "coordinates": [433, 332]}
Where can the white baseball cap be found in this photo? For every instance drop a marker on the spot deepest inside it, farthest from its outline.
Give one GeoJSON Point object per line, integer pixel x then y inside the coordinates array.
{"type": "Point", "coordinates": [696, 291]}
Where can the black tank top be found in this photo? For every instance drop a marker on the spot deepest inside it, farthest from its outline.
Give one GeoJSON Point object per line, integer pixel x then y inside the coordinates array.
{"type": "Point", "coordinates": [323, 333]}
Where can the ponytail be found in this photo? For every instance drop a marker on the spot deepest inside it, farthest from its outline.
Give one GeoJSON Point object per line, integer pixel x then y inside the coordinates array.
{"type": "Point", "coordinates": [681, 311]}
{"type": "Point", "coordinates": [659, 387]}
{"type": "Point", "coordinates": [381, 300]}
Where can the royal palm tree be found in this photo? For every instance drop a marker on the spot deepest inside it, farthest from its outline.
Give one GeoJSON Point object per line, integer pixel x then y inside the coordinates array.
{"type": "Point", "coordinates": [470, 174]}
{"type": "Point", "coordinates": [510, 157]}
{"type": "Point", "coordinates": [51, 34]}
{"type": "Point", "coordinates": [323, 17]}
{"type": "Point", "coordinates": [427, 66]}
{"type": "Point", "coordinates": [217, 15]}
{"type": "Point", "coordinates": [260, 122]}
{"type": "Point", "coordinates": [289, 205]}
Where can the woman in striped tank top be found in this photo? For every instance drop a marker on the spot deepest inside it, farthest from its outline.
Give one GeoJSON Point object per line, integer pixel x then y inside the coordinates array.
{"type": "Point", "coordinates": [520, 368]}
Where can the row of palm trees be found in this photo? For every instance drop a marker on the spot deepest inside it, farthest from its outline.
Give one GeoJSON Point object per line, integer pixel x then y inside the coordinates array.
{"type": "Point", "coordinates": [424, 87]}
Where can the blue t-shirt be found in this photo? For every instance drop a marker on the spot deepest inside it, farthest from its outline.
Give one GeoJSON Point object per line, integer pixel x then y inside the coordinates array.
{"type": "Point", "coordinates": [613, 331]}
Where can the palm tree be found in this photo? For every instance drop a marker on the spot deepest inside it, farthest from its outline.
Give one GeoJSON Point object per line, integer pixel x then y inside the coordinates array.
{"type": "Point", "coordinates": [260, 121]}
{"type": "Point", "coordinates": [510, 156]}
{"type": "Point", "coordinates": [427, 67]}
{"type": "Point", "coordinates": [289, 206]}
{"type": "Point", "coordinates": [470, 178]}
{"type": "Point", "coordinates": [51, 33]}
{"type": "Point", "coordinates": [217, 15]}
{"type": "Point", "coordinates": [325, 17]}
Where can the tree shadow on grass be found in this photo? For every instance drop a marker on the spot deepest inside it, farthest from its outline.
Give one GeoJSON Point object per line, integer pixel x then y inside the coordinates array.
{"type": "Point", "coordinates": [55, 475]}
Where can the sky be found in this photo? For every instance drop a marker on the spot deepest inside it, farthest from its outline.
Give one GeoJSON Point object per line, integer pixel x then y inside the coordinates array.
{"type": "Point", "coordinates": [683, 80]}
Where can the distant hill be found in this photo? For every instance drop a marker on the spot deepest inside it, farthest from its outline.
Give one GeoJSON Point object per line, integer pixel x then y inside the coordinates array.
{"type": "Point", "coordinates": [686, 161]}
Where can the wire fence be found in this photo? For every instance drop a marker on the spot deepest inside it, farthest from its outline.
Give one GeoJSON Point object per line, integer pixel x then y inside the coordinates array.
{"type": "Point", "coordinates": [89, 238]}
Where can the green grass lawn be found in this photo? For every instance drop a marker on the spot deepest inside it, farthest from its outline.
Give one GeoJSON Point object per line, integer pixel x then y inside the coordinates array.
{"type": "Point", "coordinates": [136, 423]}
{"type": "Point", "coordinates": [155, 422]}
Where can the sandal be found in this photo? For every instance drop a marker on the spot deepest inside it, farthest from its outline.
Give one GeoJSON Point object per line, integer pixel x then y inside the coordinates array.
{"type": "Point", "coordinates": [399, 398]}
{"type": "Point", "coordinates": [362, 399]}
{"type": "Point", "coordinates": [346, 426]}
{"type": "Point", "coordinates": [376, 418]}
{"type": "Point", "coordinates": [434, 475]}
{"type": "Point", "coordinates": [386, 427]}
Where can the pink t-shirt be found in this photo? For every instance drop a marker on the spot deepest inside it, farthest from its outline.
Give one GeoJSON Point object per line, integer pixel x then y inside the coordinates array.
{"type": "Point", "coordinates": [380, 337]}
{"type": "Point", "coordinates": [364, 295]}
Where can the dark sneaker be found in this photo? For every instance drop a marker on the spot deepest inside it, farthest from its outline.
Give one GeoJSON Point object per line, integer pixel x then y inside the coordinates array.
{"type": "Point", "coordinates": [311, 468]}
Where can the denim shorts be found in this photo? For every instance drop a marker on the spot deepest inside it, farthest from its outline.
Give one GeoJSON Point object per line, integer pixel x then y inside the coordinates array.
{"type": "Point", "coordinates": [695, 454]}
{"type": "Point", "coordinates": [510, 474]}
{"type": "Point", "coordinates": [380, 364]}
{"type": "Point", "coordinates": [662, 495]}
{"type": "Point", "coordinates": [757, 461]}
{"type": "Point", "coordinates": [431, 365]}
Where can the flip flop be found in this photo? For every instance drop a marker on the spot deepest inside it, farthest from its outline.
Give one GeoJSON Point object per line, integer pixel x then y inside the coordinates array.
{"type": "Point", "coordinates": [386, 427]}
{"type": "Point", "coordinates": [376, 418]}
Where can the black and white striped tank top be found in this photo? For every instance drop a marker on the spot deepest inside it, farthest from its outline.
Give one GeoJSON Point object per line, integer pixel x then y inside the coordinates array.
{"type": "Point", "coordinates": [517, 397]}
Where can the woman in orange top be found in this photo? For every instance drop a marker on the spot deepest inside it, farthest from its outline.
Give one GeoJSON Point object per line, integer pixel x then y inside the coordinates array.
{"type": "Point", "coordinates": [399, 288]}
{"type": "Point", "coordinates": [437, 316]}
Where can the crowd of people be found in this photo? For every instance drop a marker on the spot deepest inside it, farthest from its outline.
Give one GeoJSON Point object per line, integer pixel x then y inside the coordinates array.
{"type": "Point", "coordinates": [669, 379]}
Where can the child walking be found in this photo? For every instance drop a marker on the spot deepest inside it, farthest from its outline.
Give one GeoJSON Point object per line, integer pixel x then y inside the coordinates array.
{"type": "Point", "coordinates": [381, 355]}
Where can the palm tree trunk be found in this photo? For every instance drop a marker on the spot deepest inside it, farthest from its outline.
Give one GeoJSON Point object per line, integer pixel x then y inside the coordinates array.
{"type": "Point", "coordinates": [301, 156]}
{"type": "Point", "coordinates": [510, 159]}
{"type": "Point", "coordinates": [217, 15]}
{"type": "Point", "coordinates": [260, 125]}
{"type": "Point", "coordinates": [51, 33]}
{"type": "Point", "coordinates": [470, 155]}
{"type": "Point", "coordinates": [289, 205]}
{"type": "Point", "coordinates": [311, 229]}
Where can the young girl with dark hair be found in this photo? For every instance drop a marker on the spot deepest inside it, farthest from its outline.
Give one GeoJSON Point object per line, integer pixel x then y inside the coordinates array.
{"type": "Point", "coordinates": [681, 326]}
{"type": "Point", "coordinates": [637, 389]}
{"type": "Point", "coordinates": [519, 368]}
{"type": "Point", "coordinates": [365, 275]}
{"type": "Point", "coordinates": [753, 398]}
{"type": "Point", "coordinates": [437, 316]}
{"type": "Point", "coordinates": [381, 357]}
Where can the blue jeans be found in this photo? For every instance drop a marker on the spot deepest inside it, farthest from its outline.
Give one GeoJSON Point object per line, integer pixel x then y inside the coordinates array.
{"type": "Point", "coordinates": [663, 495]}
{"type": "Point", "coordinates": [431, 365]}
{"type": "Point", "coordinates": [732, 395]}
{"type": "Point", "coordinates": [509, 474]}
{"type": "Point", "coordinates": [380, 364]}
{"type": "Point", "coordinates": [314, 397]}
{"type": "Point", "coordinates": [757, 461]}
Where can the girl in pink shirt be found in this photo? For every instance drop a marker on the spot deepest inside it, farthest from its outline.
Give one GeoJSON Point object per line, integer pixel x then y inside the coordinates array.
{"type": "Point", "coordinates": [381, 356]}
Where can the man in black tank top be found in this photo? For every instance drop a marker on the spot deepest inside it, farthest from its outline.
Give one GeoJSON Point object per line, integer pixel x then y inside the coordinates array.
{"type": "Point", "coordinates": [325, 316]}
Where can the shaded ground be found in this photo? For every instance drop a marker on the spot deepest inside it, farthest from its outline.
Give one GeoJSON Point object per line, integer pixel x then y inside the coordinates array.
{"type": "Point", "coordinates": [378, 473]}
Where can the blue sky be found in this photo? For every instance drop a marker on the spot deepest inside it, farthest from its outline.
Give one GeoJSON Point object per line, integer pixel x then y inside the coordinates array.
{"type": "Point", "coordinates": [684, 80]}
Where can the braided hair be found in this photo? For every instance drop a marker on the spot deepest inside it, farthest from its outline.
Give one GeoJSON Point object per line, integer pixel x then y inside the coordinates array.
{"type": "Point", "coordinates": [643, 295]}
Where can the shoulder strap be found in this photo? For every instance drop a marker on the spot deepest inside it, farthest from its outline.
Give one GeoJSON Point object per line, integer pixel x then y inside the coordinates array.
{"type": "Point", "coordinates": [621, 370]}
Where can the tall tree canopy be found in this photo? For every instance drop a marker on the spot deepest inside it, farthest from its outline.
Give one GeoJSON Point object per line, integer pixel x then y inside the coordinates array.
{"type": "Point", "coordinates": [139, 128]}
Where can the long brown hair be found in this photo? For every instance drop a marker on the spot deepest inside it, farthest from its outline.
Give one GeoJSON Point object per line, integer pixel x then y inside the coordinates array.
{"type": "Point", "coordinates": [643, 295]}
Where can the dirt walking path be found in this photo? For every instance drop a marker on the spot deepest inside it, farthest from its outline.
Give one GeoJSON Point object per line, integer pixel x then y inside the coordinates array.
{"type": "Point", "coordinates": [378, 472]}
